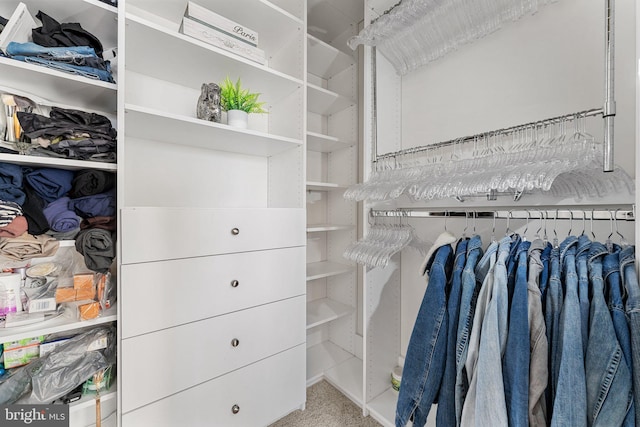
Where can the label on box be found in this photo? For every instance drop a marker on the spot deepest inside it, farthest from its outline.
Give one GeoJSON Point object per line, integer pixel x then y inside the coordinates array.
{"type": "Point", "coordinates": [20, 356]}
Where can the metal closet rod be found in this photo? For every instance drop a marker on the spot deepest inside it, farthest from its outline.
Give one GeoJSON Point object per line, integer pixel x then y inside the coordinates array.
{"type": "Point", "coordinates": [498, 132]}
{"type": "Point", "coordinates": [625, 214]}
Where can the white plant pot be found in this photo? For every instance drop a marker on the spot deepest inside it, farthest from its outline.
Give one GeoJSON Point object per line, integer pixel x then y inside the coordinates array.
{"type": "Point", "coordinates": [237, 118]}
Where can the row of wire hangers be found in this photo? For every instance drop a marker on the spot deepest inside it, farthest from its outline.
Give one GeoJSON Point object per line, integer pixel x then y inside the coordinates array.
{"type": "Point", "coordinates": [383, 240]}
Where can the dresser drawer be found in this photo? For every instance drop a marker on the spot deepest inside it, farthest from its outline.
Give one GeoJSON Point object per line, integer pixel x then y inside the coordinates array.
{"type": "Point", "coordinates": [161, 363]}
{"type": "Point", "coordinates": [156, 234]}
{"type": "Point", "coordinates": [206, 286]}
{"type": "Point", "coordinates": [263, 392]}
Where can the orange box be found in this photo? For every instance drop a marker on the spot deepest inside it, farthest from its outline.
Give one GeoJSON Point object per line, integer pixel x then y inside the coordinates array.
{"type": "Point", "coordinates": [65, 295]}
{"type": "Point", "coordinates": [82, 294]}
{"type": "Point", "coordinates": [89, 311]}
{"type": "Point", "coordinates": [83, 281]}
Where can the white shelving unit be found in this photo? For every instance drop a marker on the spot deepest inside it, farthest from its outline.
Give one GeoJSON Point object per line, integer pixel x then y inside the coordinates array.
{"type": "Point", "coordinates": [325, 310]}
{"type": "Point", "coordinates": [318, 228]}
{"type": "Point", "coordinates": [324, 186]}
{"type": "Point", "coordinates": [325, 143]}
{"type": "Point", "coordinates": [322, 269]}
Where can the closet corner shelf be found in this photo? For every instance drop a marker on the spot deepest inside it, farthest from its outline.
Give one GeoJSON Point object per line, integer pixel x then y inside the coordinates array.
{"type": "Point", "coordinates": [324, 60]}
{"type": "Point", "coordinates": [347, 377]}
{"type": "Point", "coordinates": [56, 85]}
{"type": "Point", "coordinates": [322, 269]}
{"type": "Point", "coordinates": [195, 62]}
{"type": "Point", "coordinates": [323, 357]}
{"type": "Point", "coordinates": [68, 164]}
{"type": "Point", "coordinates": [89, 401]}
{"type": "Point", "coordinates": [147, 123]}
{"type": "Point", "coordinates": [324, 186]}
{"type": "Point", "coordinates": [59, 324]}
{"type": "Point", "coordinates": [325, 310]}
{"type": "Point", "coordinates": [318, 228]}
{"type": "Point", "coordinates": [383, 407]}
{"type": "Point", "coordinates": [325, 143]}
{"type": "Point", "coordinates": [325, 102]}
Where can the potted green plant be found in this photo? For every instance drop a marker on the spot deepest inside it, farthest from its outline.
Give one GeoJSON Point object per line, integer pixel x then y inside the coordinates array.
{"type": "Point", "coordinates": [238, 102]}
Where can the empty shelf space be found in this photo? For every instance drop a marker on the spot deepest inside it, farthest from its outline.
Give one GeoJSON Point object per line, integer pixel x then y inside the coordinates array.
{"type": "Point", "coordinates": [326, 310]}
{"type": "Point", "coordinates": [322, 357]}
{"type": "Point", "coordinates": [317, 228]}
{"type": "Point", "coordinates": [319, 270]}
{"type": "Point", "coordinates": [325, 143]}
{"type": "Point", "coordinates": [150, 124]}
{"type": "Point", "coordinates": [325, 60]}
{"type": "Point", "coordinates": [383, 407]}
{"type": "Point", "coordinates": [347, 377]}
{"type": "Point", "coordinates": [324, 186]}
{"type": "Point", "coordinates": [325, 102]}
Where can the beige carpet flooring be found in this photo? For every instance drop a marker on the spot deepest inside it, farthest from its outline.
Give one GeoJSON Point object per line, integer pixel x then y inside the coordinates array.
{"type": "Point", "coordinates": [327, 407]}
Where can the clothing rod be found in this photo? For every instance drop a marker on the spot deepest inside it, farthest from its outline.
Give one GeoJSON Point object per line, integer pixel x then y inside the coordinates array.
{"type": "Point", "coordinates": [609, 73]}
{"type": "Point", "coordinates": [531, 214]}
{"type": "Point", "coordinates": [552, 120]}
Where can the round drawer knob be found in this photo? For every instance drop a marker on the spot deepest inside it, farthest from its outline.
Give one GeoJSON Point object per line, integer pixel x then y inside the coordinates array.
{"type": "Point", "coordinates": [235, 342]}
{"type": "Point", "coordinates": [235, 231]}
{"type": "Point", "coordinates": [235, 409]}
{"type": "Point", "coordinates": [234, 283]}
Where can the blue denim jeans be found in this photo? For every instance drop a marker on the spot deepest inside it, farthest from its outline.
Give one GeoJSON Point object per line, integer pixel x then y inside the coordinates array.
{"type": "Point", "coordinates": [490, 405]}
{"type": "Point", "coordinates": [611, 274]}
{"type": "Point", "coordinates": [539, 362]}
{"type": "Point", "coordinates": [446, 414]}
{"type": "Point", "coordinates": [545, 257]}
{"type": "Point", "coordinates": [71, 54]}
{"type": "Point", "coordinates": [515, 364]}
{"type": "Point", "coordinates": [426, 353]}
{"type": "Point", "coordinates": [484, 272]}
{"type": "Point", "coordinates": [632, 307]}
{"type": "Point", "coordinates": [570, 403]}
{"type": "Point", "coordinates": [468, 299]}
{"type": "Point", "coordinates": [553, 305]}
{"type": "Point", "coordinates": [88, 72]}
{"type": "Point", "coordinates": [582, 253]}
{"type": "Point", "coordinates": [608, 379]}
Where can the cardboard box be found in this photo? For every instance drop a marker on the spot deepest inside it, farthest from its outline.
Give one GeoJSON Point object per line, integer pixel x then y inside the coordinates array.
{"type": "Point", "coordinates": [20, 356]}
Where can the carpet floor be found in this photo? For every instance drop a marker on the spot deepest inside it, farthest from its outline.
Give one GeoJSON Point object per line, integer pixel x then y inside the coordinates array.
{"type": "Point", "coordinates": [327, 407]}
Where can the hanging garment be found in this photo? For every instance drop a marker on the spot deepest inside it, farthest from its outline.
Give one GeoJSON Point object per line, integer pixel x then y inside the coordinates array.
{"type": "Point", "coordinates": [553, 305]}
{"type": "Point", "coordinates": [611, 272]}
{"type": "Point", "coordinates": [484, 273]}
{"type": "Point", "coordinates": [470, 289]}
{"type": "Point", "coordinates": [608, 380]}
{"type": "Point", "coordinates": [446, 414]}
{"type": "Point", "coordinates": [426, 353]}
{"type": "Point", "coordinates": [632, 307]}
{"type": "Point", "coordinates": [582, 253]}
{"type": "Point", "coordinates": [516, 359]}
{"type": "Point", "coordinates": [539, 348]}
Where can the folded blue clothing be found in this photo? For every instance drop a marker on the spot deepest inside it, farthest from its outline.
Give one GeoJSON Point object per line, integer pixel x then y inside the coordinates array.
{"type": "Point", "coordinates": [50, 184]}
{"type": "Point", "coordinates": [12, 193]}
{"type": "Point", "coordinates": [11, 174]}
{"type": "Point", "coordinates": [62, 53]}
{"type": "Point", "coordinates": [84, 71]}
{"type": "Point", "coordinates": [103, 204]}
{"type": "Point", "coordinates": [60, 217]}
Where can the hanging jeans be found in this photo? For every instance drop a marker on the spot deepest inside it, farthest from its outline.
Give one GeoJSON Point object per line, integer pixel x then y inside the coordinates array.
{"type": "Point", "coordinates": [490, 406]}
{"type": "Point", "coordinates": [538, 364]}
{"type": "Point", "coordinates": [608, 381]}
{"type": "Point", "coordinates": [446, 415]}
{"type": "Point", "coordinates": [553, 305]}
{"type": "Point", "coordinates": [611, 274]}
{"type": "Point", "coordinates": [582, 253]}
{"type": "Point", "coordinates": [484, 271]}
{"type": "Point", "coordinates": [632, 307]}
{"type": "Point", "coordinates": [515, 365]}
{"type": "Point", "coordinates": [426, 353]}
{"type": "Point", "coordinates": [470, 290]}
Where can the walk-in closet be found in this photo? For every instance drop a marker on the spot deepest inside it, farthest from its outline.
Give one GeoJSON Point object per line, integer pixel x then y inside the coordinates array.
{"type": "Point", "coordinates": [209, 206]}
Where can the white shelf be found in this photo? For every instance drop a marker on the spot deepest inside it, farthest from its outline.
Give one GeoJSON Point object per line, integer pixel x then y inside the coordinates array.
{"type": "Point", "coordinates": [194, 62]}
{"type": "Point", "coordinates": [325, 143]}
{"type": "Point", "coordinates": [59, 324]}
{"type": "Point", "coordinates": [319, 270]}
{"type": "Point", "coordinates": [325, 102]}
{"type": "Point", "coordinates": [324, 186]}
{"type": "Point", "coordinates": [321, 358]}
{"type": "Point", "coordinates": [58, 87]}
{"type": "Point", "coordinates": [147, 123]}
{"type": "Point", "coordinates": [89, 400]}
{"type": "Point", "coordinates": [383, 408]}
{"type": "Point", "coordinates": [347, 377]}
{"type": "Point", "coordinates": [317, 228]}
{"type": "Point", "coordinates": [55, 162]}
{"type": "Point", "coordinates": [324, 60]}
{"type": "Point", "coordinates": [325, 310]}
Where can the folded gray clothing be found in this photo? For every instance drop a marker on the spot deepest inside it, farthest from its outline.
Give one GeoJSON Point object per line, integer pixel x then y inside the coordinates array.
{"type": "Point", "coordinates": [96, 245]}
{"type": "Point", "coordinates": [64, 235]}
{"type": "Point", "coordinates": [8, 212]}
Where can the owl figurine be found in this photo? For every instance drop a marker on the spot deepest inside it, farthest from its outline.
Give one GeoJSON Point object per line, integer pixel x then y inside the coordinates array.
{"type": "Point", "coordinates": [209, 103]}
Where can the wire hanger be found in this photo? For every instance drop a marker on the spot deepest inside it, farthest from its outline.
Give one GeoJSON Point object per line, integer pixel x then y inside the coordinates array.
{"type": "Point", "coordinates": [555, 231]}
